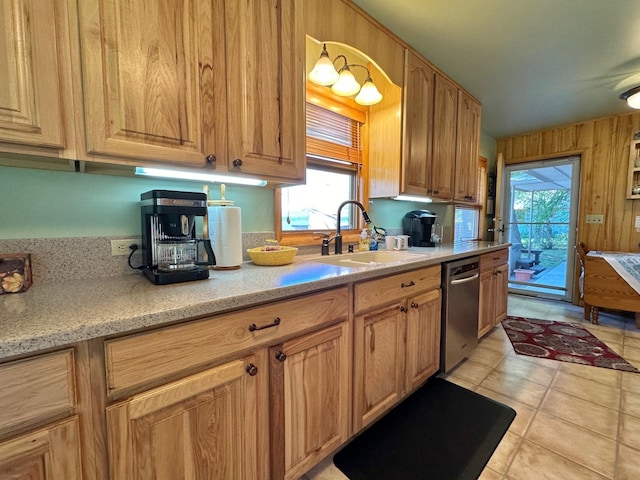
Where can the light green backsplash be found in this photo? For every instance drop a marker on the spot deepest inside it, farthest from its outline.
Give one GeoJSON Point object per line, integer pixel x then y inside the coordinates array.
{"type": "Point", "coordinates": [52, 204]}
{"type": "Point", "coordinates": [56, 204]}
{"type": "Point", "coordinates": [389, 213]}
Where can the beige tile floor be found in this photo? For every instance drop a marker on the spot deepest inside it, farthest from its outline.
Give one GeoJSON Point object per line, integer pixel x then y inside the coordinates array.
{"type": "Point", "coordinates": [573, 422]}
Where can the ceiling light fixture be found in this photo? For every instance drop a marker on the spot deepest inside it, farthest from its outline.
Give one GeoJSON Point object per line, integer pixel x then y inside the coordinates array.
{"type": "Point", "coordinates": [632, 97]}
{"type": "Point", "coordinates": [197, 176]}
{"type": "Point", "coordinates": [342, 81]}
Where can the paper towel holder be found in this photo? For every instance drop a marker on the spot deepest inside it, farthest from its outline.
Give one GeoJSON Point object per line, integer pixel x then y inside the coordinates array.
{"type": "Point", "coordinates": [233, 256]}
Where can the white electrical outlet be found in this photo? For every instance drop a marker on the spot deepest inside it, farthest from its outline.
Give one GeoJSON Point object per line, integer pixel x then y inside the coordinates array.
{"type": "Point", "coordinates": [121, 247]}
{"type": "Point", "coordinates": [595, 218]}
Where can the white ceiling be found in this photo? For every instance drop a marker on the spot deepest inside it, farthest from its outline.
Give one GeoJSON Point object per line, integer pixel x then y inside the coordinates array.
{"type": "Point", "coordinates": [532, 63]}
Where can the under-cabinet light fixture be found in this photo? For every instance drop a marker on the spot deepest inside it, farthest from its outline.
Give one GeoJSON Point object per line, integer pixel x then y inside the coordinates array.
{"type": "Point", "coordinates": [198, 176]}
{"type": "Point", "coordinates": [412, 198]}
{"type": "Point", "coordinates": [632, 97]}
{"type": "Point", "coordinates": [342, 81]}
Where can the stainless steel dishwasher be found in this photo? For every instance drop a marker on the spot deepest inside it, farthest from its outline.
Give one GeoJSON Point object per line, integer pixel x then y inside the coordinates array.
{"type": "Point", "coordinates": [460, 301]}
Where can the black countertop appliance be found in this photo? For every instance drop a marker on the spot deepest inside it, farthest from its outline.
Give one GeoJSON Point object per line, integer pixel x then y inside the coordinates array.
{"type": "Point", "coordinates": [418, 224]}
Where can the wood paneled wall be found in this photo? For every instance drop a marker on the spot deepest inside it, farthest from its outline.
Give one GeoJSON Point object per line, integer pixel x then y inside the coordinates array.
{"type": "Point", "coordinates": [603, 145]}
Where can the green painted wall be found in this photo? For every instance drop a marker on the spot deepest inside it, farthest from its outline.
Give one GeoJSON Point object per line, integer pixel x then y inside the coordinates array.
{"type": "Point", "coordinates": [53, 204]}
{"type": "Point", "coordinates": [38, 203]}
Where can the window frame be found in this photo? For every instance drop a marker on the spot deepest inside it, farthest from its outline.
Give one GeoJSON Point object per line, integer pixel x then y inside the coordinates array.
{"type": "Point", "coordinates": [346, 106]}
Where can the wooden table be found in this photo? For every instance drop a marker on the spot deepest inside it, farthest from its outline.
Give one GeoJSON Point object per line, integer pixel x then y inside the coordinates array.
{"type": "Point", "coordinates": [604, 288]}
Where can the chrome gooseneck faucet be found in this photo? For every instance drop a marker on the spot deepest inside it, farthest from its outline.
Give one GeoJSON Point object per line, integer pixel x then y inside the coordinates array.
{"type": "Point", "coordinates": [338, 236]}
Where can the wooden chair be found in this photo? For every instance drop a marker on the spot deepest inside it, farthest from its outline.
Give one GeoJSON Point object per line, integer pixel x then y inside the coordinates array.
{"type": "Point", "coordinates": [581, 250]}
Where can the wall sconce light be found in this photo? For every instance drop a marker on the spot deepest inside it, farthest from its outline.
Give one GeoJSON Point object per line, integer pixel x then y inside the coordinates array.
{"type": "Point", "coordinates": [632, 97]}
{"type": "Point", "coordinates": [342, 81]}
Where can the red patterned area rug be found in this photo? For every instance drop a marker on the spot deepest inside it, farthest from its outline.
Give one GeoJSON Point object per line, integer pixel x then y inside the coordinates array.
{"type": "Point", "coordinates": [563, 341]}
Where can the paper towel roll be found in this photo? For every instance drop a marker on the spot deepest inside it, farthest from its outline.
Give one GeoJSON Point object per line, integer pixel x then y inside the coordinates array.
{"type": "Point", "coordinates": [225, 232]}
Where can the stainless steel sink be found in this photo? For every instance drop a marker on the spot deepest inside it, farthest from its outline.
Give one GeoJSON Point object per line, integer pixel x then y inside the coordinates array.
{"type": "Point", "coordinates": [364, 259]}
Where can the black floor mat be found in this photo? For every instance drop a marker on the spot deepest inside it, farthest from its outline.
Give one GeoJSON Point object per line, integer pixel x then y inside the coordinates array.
{"type": "Point", "coordinates": [440, 432]}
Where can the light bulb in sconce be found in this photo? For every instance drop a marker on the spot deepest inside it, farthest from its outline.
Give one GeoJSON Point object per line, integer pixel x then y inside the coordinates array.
{"type": "Point", "coordinates": [347, 84]}
{"type": "Point", "coordinates": [369, 94]}
{"type": "Point", "coordinates": [324, 73]}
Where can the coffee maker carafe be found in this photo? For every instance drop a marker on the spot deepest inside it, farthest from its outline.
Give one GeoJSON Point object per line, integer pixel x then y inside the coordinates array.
{"type": "Point", "coordinates": [418, 224]}
{"type": "Point", "coordinates": [170, 248]}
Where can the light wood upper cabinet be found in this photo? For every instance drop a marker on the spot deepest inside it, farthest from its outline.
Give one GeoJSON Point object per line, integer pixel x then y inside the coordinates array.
{"type": "Point", "coordinates": [147, 70]}
{"type": "Point", "coordinates": [216, 84]}
{"type": "Point", "coordinates": [418, 126]}
{"type": "Point", "coordinates": [203, 426]}
{"type": "Point", "coordinates": [444, 137]}
{"type": "Point", "coordinates": [468, 143]}
{"type": "Point", "coordinates": [265, 87]}
{"type": "Point", "coordinates": [33, 50]}
{"type": "Point", "coordinates": [310, 378]}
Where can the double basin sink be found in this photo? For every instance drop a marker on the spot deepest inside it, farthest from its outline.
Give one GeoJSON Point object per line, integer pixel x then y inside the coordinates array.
{"type": "Point", "coordinates": [368, 259]}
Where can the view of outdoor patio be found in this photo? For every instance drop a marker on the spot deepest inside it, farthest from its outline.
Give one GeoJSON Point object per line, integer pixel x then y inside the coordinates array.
{"type": "Point", "coordinates": [538, 228]}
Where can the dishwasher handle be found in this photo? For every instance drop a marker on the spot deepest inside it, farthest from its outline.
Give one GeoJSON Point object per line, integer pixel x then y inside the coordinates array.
{"type": "Point", "coordinates": [464, 280]}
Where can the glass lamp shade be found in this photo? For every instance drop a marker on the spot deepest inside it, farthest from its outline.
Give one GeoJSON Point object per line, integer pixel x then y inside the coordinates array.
{"type": "Point", "coordinates": [369, 94]}
{"type": "Point", "coordinates": [324, 73]}
{"type": "Point", "coordinates": [346, 84]}
{"type": "Point", "coordinates": [634, 100]}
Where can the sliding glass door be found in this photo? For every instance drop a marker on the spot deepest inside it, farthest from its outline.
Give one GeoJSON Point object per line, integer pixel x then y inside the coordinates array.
{"type": "Point", "coordinates": [539, 204]}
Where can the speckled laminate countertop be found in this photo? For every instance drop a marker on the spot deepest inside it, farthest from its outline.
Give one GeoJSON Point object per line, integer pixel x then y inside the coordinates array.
{"type": "Point", "coordinates": [59, 313]}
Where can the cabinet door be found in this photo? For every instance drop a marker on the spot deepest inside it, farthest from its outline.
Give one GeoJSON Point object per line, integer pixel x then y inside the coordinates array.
{"type": "Point", "coordinates": [204, 426]}
{"type": "Point", "coordinates": [423, 338]}
{"type": "Point", "coordinates": [31, 109]}
{"type": "Point", "coordinates": [486, 317]}
{"type": "Point", "coordinates": [51, 453]}
{"type": "Point", "coordinates": [148, 69]}
{"type": "Point", "coordinates": [418, 126]}
{"type": "Point", "coordinates": [378, 362]}
{"type": "Point", "coordinates": [468, 144]}
{"type": "Point", "coordinates": [265, 87]}
{"type": "Point", "coordinates": [444, 137]}
{"type": "Point", "coordinates": [310, 399]}
{"type": "Point", "coordinates": [501, 279]}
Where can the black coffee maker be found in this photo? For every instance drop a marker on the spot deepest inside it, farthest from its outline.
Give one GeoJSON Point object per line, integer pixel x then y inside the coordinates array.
{"type": "Point", "coordinates": [418, 224]}
{"type": "Point", "coordinates": [169, 243]}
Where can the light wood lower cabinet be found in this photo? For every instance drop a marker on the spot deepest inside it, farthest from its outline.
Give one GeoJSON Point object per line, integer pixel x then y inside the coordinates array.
{"type": "Point", "coordinates": [50, 453]}
{"type": "Point", "coordinates": [494, 279]}
{"type": "Point", "coordinates": [310, 378]}
{"type": "Point", "coordinates": [207, 425]}
{"type": "Point", "coordinates": [396, 345]}
{"type": "Point", "coordinates": [202, 397]}
{"type": "Point", "coordinates": [41, 439]}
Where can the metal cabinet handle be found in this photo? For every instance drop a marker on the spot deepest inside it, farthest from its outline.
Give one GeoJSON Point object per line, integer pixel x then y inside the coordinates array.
{"type": "Point", "coordinates": [403, 309]}
{"type": "Point", "coordinates": [237, 162]}
{"type": "Point", "coordinates": [281, 356]}
{"type": "Point", "coordinates": [252, 369]}
{"type": "Point", "coordinates": [414, 305]}
{"type": "Point", "coordinates": [410, 284]}
{"type": "Point", "coordinates": [253, 327]}
{"type": "Point", "coordinates": [210, 160]}
{"type": "Point", "coordinates": [464, 280]}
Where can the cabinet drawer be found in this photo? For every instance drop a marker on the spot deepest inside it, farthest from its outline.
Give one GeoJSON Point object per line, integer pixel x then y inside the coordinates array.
{"type": "Point", "coordinates": [493, 259]}
{"type": "Point", "coordinates": [373, 293]}
{"type": "Point", "coordinates": [142, 358]}
{"type": "Point", "coordinates": [36, 389]}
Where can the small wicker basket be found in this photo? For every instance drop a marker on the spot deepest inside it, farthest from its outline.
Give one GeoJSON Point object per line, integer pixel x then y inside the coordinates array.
{"type": "Point", "coordinates": [282, 256]}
